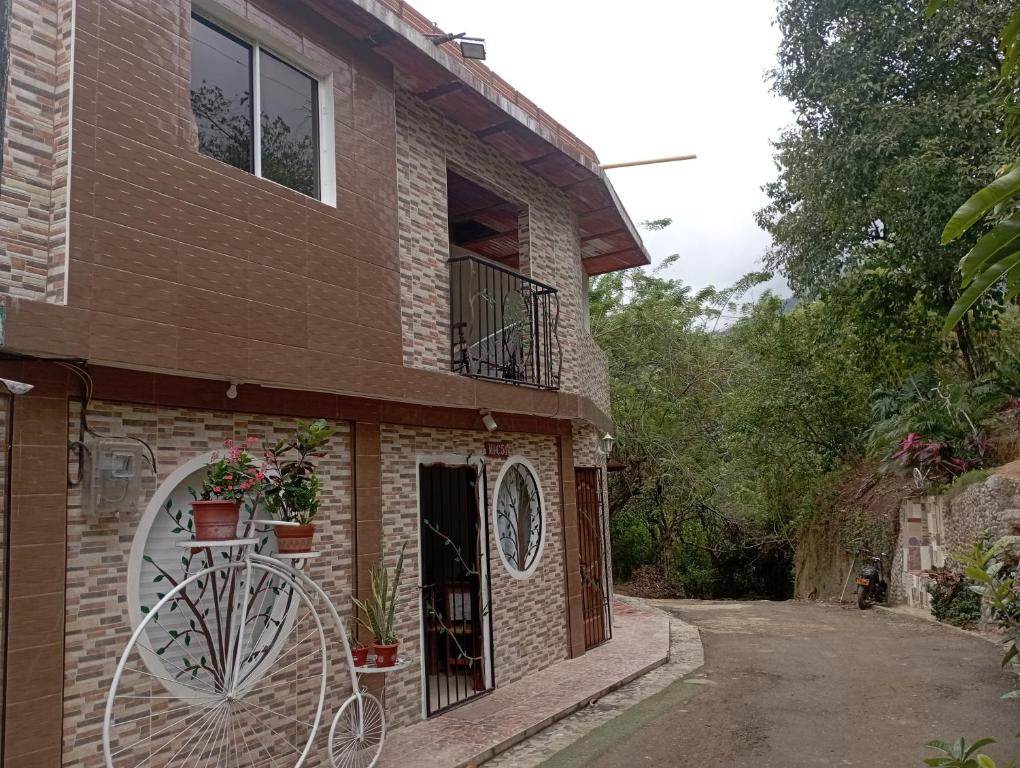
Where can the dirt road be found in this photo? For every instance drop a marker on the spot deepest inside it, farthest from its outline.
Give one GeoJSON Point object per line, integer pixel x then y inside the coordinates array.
{"type": "Point", "coordinates": [799, 684]}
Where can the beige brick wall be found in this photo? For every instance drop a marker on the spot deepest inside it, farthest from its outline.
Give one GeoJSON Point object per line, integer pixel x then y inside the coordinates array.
{"type": "Point", "coordinates": [426, 145]}
{"type": "Point", "coordinates": [33, 204]}
{"type": "Point", "coordinates": [97, 625]}
{"type": "Point", "coordinates": [528, 616]}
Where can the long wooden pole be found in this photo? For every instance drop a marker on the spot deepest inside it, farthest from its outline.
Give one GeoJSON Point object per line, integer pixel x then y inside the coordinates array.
{"type": "Point", "coordinates": [675, 159]}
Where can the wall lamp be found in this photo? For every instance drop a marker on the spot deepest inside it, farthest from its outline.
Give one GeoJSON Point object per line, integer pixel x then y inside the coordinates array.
{"type": "Point", "coordinates": [487, 420]}
{"type": "Point", "coordinates": [16, 387]}
{"type": "Point", "coordinates": [606, 444]}
{"type": "Point", "coordinates": [470, 47]}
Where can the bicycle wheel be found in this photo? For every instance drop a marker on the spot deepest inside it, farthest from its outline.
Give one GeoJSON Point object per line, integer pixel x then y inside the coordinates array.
{"type": "Point", "coordinates": [357, 733]}
{"type": "Point", "coordinates": [228, 668]}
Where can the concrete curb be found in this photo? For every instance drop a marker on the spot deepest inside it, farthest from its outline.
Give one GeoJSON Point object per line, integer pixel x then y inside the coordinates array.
{"type": "Point", "coordinates": [686, 654]}
{"type": "Point", "coordinates": [567, 711]}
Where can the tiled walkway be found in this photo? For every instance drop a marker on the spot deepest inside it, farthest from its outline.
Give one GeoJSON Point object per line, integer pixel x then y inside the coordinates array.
{"type": "Point", "coordinates": [686, 654]}
{"type": "Point", "coordinates": [475, 732]}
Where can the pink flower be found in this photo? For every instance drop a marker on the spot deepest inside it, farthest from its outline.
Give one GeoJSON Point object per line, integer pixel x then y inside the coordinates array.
{"type": "Point", "coordinates": [217, 489]}
{"type": "Point", "coordinates": [228, 477]}
{"type": "Point", "coordinates": [251, 440]}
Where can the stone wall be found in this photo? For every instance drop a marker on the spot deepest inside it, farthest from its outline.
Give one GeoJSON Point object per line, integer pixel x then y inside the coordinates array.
{"type": "Point", "coordinates": [36, 136]}
{"type": "Point", "coordinates": [97, 625]}
{"type": "Point", "coordinates": [528, 616]}
{"type": "Point", "coordinates": [933, 529]}
{"type": "Point", "coordinates": [426, 145]}
{"type": "Point", "coordinates": [992, 506]}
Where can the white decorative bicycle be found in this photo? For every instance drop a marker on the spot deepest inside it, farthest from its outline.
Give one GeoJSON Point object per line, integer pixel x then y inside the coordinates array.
{"type": "Point", "coordinates": [230, 667]}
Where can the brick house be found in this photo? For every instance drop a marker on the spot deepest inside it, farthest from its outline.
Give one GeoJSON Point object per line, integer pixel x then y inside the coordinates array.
{"type": "Point", "coordinates": [401, 244]}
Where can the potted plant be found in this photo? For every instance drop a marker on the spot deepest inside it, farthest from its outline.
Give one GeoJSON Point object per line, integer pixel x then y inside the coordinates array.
{"type": "Point", "coordinates": [229, 480]}
{"type": "Point", "coordinates": [359, 651]}
{"type": "Point", "coordinates": [379, 610]}
{"type": "Point", "coordinates": [292, 485]}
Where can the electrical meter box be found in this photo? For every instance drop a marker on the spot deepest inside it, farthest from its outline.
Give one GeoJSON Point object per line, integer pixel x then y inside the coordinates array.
{"type": "Point", "coordinates": [112, 476]}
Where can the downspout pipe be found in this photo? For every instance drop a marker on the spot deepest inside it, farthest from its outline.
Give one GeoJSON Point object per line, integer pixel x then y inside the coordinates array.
{"type": "Point", "coordinates": [5, 68]}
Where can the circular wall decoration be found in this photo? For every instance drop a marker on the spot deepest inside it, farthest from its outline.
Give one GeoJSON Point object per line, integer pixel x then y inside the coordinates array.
{"type": "Point", "coordinates": [175, 645]}
{"type": "Point", "coordinates": [518, 513]}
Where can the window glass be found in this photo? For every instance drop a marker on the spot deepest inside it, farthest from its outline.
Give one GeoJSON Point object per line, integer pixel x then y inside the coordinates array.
{"type": "Point", "coordinates": [287, 99]}
{"type": "Point", "coordinates": [519, 521]}
{"type": "Point", "coordinates": [221, 95]}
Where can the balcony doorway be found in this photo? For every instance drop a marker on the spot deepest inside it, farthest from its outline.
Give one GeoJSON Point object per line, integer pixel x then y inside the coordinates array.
{"type": "Point", "coordinates": [484, 223]}
{"type": "Point", "coordinates": [504, 325]}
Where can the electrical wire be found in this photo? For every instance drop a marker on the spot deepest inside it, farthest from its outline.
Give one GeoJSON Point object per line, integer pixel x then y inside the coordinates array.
{"type": "Point", "coordinates": [88, 389]}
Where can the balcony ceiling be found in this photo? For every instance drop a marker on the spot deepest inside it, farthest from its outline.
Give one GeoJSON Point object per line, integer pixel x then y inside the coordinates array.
{"type": "Point", "coordinates": [470, 94]}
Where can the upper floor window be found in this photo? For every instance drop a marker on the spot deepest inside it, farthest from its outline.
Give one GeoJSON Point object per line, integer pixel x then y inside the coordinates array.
{"type": "Point", "coordinates": [232, 80]}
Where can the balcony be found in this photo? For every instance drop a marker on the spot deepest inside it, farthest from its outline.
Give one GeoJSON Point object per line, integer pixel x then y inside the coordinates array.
{"type": "Point", "coordinates": [503, 326]}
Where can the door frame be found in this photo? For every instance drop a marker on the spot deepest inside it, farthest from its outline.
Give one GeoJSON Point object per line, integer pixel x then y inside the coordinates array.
{"type": "Point", "coordinates": [485, 588]}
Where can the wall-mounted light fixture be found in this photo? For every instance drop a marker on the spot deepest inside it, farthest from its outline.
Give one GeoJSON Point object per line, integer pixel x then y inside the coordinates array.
{"type": "Point", "coordinates": [232, 391]}
{"type": "Point", "coordinates": [488, 421]}
{"type": "Point", "coordinates": [16, 387]}
{"type": "Point", "coordinates": [606, 444]}
{"type": "Point", "coordinates": [470, 47]}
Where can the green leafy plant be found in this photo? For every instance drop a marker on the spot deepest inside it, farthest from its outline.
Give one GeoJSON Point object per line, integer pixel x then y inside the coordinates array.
{"type": "Point", "coordinates": [379, 611]}
{"type": "Point", "coordinates": [959, 755]}
{"type": "Point", "coordinates": [292, 485]}
{"type": "Point", "coordinates": [993, 264]}
{"type": "Point", "coordinates": [998, 585]}
{"type": "Point", "coordinates": [952, 599]}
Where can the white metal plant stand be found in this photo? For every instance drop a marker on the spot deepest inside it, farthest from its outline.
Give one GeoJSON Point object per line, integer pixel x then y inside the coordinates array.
{"type": "Point", "coordinates": [230, 668]}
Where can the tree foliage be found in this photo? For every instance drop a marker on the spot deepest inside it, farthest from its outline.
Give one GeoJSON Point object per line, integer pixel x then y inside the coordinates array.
{"type": "Point", "coordinates": [898, 118]}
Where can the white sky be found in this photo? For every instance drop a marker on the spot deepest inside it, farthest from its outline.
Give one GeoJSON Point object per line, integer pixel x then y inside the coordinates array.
{"type": "Point", "coordinates": [638, 79]}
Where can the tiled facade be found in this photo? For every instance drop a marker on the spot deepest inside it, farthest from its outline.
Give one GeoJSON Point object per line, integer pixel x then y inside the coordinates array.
{"type": "Point", "coordinates": [170, 274]}
{"type": "Point", "coordinates": [33, 204]}
{"type": "Point", "coordinates": [97, 625]}
{"type": "Point", "coordinates": [428, 144]}
{"type": "Point", "coordinates": [528, 616]}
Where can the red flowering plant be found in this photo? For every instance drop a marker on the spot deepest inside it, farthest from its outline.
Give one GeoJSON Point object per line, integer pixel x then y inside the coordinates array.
{"type": "Point", "coordinates": [235, 475]}
{"type": "Point", "coordinates": [935, 458]}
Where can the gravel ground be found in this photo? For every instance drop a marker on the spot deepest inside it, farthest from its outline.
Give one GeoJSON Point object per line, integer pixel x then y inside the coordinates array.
{"type": "Point", "coordinates": [803, 684]}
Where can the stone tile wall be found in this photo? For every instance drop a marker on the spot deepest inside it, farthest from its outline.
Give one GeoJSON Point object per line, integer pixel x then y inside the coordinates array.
{"type": "Point", "coordinates": [426, 145]}
{"type": "Point", "coordinates": [98, 547]}
{"type": "Point", "coordinates": [33, 204]}
{"type": "Point", "coordinates": [529, 616]}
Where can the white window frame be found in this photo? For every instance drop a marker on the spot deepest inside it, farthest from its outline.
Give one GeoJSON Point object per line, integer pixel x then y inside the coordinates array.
{"type": "Point", "coordinates": [258, 39]}
{"type": "Point", "coordinates": [517, 573]}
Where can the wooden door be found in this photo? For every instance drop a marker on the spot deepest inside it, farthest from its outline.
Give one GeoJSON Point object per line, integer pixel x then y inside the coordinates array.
{"type": "Point", "coordinates": [594, 576]}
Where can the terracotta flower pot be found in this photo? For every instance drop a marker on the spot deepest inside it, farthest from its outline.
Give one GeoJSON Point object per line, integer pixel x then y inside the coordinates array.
{"type": "Point", "coordinates": [216, 520]}
{"type": "Point", "coordinates": [385, 655]}
{"type": "Point", "coordinates": [291, 539]}
{"type": "Point", "coordinates": [360, 655]}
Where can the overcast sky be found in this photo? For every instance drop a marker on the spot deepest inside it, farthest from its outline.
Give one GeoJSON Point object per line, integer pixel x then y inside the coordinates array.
{"type": "Point", "coordinates": [650, 78]}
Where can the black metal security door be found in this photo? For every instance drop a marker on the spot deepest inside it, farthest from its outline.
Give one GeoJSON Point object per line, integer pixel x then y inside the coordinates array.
{"type": "Point", "coordinates": [594, 574]}
{"type": "Point", "coordinates": [454, 558]}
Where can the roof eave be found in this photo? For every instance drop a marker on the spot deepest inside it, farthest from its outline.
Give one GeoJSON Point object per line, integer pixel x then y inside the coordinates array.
{"type": "Point", "coordinates": [502, 117]}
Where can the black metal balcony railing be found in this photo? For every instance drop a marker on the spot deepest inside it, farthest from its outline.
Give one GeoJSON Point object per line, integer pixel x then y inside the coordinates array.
{"type": "Point", "coordinates": [503, 326]}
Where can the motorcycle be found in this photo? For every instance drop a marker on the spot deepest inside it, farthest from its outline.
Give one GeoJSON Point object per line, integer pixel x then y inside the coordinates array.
{"type": "Point", "coordinates": [871, 587]}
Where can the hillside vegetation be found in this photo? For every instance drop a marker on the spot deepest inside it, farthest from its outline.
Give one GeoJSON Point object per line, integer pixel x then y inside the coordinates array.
{"type": "Point", "coordinates": [739, 435]}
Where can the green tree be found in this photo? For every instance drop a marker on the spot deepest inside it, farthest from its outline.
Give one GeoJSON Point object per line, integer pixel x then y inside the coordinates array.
{"type": "Point", "coordinates": [897, 120]}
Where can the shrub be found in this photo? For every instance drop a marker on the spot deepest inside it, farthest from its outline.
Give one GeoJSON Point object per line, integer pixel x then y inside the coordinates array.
{"type": "Point", "coordinates": [952, 599]}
